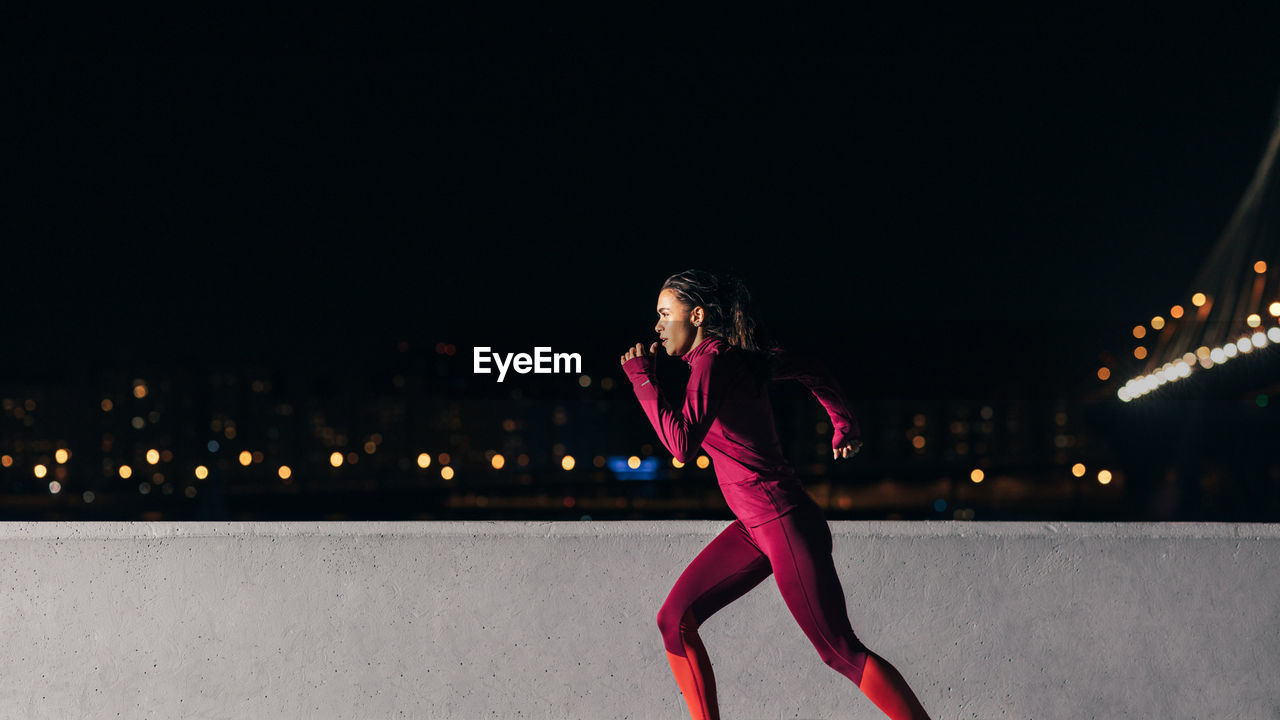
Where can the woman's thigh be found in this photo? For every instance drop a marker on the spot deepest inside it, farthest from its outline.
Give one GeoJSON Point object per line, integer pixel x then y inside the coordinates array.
{"type": "Point", "coordinates": [799, 548]}
{"type": "Point", "coordinates": [726, 569]}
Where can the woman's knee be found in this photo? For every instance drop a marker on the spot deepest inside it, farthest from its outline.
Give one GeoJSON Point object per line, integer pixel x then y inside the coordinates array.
{"type": "Point", "coordinates": [673, 621]}
{"type": "Point", "coordinates": [845, 656]}
{"type": "Point", "coordinates": [672, 616]}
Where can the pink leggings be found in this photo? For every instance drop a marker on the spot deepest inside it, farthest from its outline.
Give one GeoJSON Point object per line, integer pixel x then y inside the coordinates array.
{"type": "Point", "coordinates": [796, 549]}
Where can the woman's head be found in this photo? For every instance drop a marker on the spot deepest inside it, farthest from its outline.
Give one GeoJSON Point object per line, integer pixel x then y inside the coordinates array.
{"type": "Point", "coordinates": [696, 304]}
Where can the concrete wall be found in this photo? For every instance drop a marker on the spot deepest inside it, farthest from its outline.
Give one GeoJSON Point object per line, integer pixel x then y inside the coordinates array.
{"type": "Point", "coordinates": [557, 620]}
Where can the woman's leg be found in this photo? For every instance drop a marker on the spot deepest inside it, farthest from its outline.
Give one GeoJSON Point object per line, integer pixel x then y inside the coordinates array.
{"type": "Point", "coordinates": [728, 567]}
{"type": "Point", "coordinates": [799, 548]}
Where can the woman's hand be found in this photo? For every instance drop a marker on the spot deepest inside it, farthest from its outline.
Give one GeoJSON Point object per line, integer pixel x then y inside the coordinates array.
{"type": "Point", "coordinates": [846, 450]}
{"type": "Point", "coordinates": [638, 351]}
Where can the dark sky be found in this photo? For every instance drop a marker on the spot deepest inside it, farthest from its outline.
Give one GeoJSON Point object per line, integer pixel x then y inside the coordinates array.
{"type": "Point", "coordinates": [942, 201]}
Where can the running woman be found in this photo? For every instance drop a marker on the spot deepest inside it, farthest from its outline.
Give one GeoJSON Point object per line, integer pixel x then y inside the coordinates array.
{"type": "Point", "coordinates": [703, 319]}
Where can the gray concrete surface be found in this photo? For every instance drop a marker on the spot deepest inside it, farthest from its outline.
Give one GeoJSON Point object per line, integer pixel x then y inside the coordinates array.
{"type": "Point", "coordinates": [557, 620]}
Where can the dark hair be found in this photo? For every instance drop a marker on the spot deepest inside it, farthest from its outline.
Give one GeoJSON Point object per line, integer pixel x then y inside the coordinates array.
{"type": "Point", "coordinates": [726, 305]}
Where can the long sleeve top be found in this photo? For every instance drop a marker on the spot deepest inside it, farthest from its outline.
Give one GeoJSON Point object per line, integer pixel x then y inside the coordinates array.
{"type": "Point", "coordinates": [726, 414]}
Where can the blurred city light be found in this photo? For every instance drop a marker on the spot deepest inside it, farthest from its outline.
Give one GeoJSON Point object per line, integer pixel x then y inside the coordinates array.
{"type": "Point", "coordinates": [624, 469]}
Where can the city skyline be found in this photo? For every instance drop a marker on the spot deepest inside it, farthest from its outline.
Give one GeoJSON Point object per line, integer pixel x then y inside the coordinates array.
{"type": "Point", "coordinates": [948, 211]}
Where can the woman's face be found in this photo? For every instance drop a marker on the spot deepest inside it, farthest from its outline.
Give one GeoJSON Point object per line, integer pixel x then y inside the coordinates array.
{"type": "Point", "coordinates": [675, 326]}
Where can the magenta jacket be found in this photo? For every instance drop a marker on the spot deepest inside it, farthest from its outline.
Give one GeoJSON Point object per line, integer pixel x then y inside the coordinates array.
{"type": "Point", "coordinates": [724, 414]}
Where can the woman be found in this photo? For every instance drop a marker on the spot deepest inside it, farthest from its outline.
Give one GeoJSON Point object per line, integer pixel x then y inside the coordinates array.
{"type": "Point", "coordinates": [704, 320]}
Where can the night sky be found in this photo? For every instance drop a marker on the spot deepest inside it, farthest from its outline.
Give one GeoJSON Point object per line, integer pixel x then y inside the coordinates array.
{"type": "Point", "coordinates": [936, 203]}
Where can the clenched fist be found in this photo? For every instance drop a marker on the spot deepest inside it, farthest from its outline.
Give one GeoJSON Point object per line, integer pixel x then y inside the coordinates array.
{"type": "Point", "coordinates": [638, 351]}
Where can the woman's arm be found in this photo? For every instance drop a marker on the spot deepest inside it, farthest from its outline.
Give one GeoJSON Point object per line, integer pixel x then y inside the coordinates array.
{"type": "Point", "coordinates": [815, 376]}
{"type": "Point", "coordinates": [681, 431]}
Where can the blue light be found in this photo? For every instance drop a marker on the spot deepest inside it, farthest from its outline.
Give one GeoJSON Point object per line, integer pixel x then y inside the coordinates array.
{"type": "Point", "coordinates": [213, 446]}
{"type": "Point", "coordinates": [939, 504]}
{"type": "Point", "coordinates": [648, 469]}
